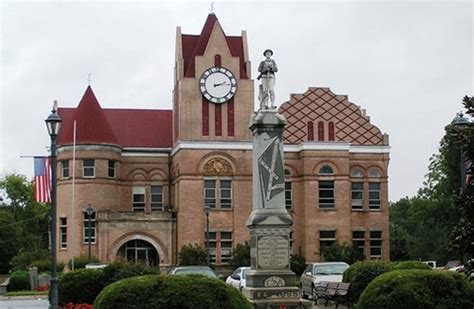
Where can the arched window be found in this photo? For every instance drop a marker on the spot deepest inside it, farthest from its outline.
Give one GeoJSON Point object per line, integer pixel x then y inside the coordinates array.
{"type": "Point", "coordinates": [331, 131]}
{"type": "Point", "coordinates": [217, 60]}
{"type": "Point", "coordinates": [374, 173]}
{"type": "Point", "coordinates": [320, 131]}
{"type": "Point", "coordinates": [357, 172]}
{"type": "Point", "coordinates": [326, 170]}
{"type": "Point", "coordinates": [310, 131]}
{"type": "Point", "coordinates": [139, 251]}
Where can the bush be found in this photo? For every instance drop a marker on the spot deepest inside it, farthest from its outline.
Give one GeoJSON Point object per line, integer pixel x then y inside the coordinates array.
{"type": "Point", "coordinates": [192, 255]}
{"type": "Point", "coordinates": [418, 289]}
{"type": "Point", "coordinates": [19, 281]}
{"type": "Point", "coordinates": [241, 255]}
{"type": "Point", "coordinates": [44, 265]}
{"type": "Point", "coordinates": [410, 265]}
{"type": "Point", "coordinates": [23, 260]}
{"type": "Point", "coordinates": [297, 264]}
{"type": "Point", "coordinates": [81, 261]}
{"type": "Point", "coordinates": [341, 253]}
{"type": "Point", "coordinates": [170, 292]}
{"type": "Point", "coordinates": [83, 285]}
{"type": "Point", "coordinates": [360, 274]}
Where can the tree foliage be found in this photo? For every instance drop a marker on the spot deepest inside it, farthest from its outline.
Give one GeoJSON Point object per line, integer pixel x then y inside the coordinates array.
{"type": "Point", "coordinates": [23, 222]}
{"type": "Point", "coordinates": [241, 255]}
{"type": "Point", "coordinates": [341, 253]}
{"type": "Point", "coordinates": [192, 255]}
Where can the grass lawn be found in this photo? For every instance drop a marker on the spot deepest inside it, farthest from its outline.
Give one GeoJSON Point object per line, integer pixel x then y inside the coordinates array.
{"type": "Point", "coordinates": [26, 293]}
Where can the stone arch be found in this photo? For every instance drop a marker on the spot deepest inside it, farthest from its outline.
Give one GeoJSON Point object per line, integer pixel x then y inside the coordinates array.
{"type": "Point", "coordinates": [158, 174]}
{"type": "Point", "coordinates": [138, 174]}
{"type": "Point", "coordinates": [360, 168]}
{"type": "Point", "coordinates": [154, 241]}
{"type": "Point", "coordinates": [217, 164]}
{"type": "Point", "coordinates": [324, 163]}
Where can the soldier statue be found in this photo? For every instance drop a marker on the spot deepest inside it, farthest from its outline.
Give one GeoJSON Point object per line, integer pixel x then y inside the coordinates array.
{"type": "Point", "coordinates": [267, 69]}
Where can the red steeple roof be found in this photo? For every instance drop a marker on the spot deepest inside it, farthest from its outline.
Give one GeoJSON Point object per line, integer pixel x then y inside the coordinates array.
{"type": "Point", "coordinates": [92, 126]}
{"type": "Point", "coordinates": [195, 45]}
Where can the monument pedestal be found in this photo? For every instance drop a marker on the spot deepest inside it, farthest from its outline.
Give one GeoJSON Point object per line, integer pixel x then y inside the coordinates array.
{"type": "Point", "coordinates": [270, 281]}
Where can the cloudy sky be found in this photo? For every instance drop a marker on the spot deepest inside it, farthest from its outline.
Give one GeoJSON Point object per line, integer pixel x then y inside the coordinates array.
{"type": "Point", "coordinates": [408, 63]}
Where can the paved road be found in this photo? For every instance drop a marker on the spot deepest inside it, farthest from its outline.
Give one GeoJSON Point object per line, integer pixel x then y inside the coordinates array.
{"type": "Point", "coordinates": [23, 303]}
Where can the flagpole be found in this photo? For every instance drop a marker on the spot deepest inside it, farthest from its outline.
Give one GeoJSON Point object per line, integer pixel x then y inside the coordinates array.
{"type": "Point", "coordinates": [74, 225]}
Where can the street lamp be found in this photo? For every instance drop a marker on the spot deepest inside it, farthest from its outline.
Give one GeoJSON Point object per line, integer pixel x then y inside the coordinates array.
{"type": "Point", "coordinates": [461, 123]}
{"type": "Point", "coordinates": [206, 211]}
{"type": "Point", "coordinates": [89, 211]}
{"type": "Point", "coordinates": [53, 123]}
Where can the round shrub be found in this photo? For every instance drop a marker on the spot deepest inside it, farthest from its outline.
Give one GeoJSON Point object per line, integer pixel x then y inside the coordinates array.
{"type": "Point", "coordinates": [360, 274]}
{"type": "Point", "coordinates": [410, 265]}
{"type": "Point", "coordinates": [170, 292]}
{"type": "Point", "coordinates": [19, 281]}
{"type": "Point", "coordinates": [80, 286]}
{"type": "Point", "coordinates": [417, 289]}
{"type": "Point", "coordinates": [297, 264]}
{"type": "Point", "coordinates": [83, 285]}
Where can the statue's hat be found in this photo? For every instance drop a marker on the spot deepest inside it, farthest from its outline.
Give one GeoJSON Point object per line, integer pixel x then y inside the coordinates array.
{"type": "Point", "coordinates": [268, 50]}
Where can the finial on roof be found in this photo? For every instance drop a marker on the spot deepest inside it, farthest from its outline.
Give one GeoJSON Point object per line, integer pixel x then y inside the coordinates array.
{"type": "Point", "coordinates": [89, 78]}
{"type": "Point", "coordinates": [211, 9]}
{"type": "Point", "coordinates": [55, 106]}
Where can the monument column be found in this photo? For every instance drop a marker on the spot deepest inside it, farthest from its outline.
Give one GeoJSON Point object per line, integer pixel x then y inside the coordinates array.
{"type": "Point", "coordinates": [270, 281]}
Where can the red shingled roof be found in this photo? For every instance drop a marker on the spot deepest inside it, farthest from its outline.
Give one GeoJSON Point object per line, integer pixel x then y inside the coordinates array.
{"type": "Point", "coordinates": [195, 45]}
{"type": "Point", "coordinates": [122, 127]}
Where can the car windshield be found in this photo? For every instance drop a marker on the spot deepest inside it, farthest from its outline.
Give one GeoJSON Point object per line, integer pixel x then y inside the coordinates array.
{"type": "Point", "coordinates": [195, 271]}
{"type": "Point", "coordinates": [334, 269]}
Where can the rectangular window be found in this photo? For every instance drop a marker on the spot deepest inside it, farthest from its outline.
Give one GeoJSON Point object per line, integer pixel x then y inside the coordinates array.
{"type": "Point", "coordinates": [357, 195]}
{"type": "Point", "coordinates": [88, 168]}
{"type": "Point", "coordinates": [226, 194]}
{"type": "Point", "coordinates": [326, 238]}
{"type": "Point", "coordinates": [212, 245]}
{"type": "Point", "coordinates": [111, 169]}
{"type": "Point", "coordinates": [358, 240]}
{"type": "Point", "coordinates": [288, 195]}
{"type": "Point", "coordinates": [138, 199]}
{"type": "Point", "coordinates": [64, 169]}
{"type": "Point", "coordinates": [326, 194]}
{"type": "Point", "coordinates": [375, 245]}
{"type": "Point", "coordinates": [210, 193]}
{"type": "Point", "coordinates": [374, 195]}
{"type": "Point", "coordinates": [63, 233]}
{"type": "Point", "coordinates": [89, 230]}
{"type": "Point", "coordinates": [226, 246]}
{"type": "Point", "coordinates": [156, 198]}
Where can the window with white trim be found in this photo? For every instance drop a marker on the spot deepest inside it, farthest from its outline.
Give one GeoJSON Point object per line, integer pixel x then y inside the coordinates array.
{"type": "Point", "coordinates": [226, 247]}
{"type": "Point", "coordinates": [111, 171]}
{"type": "Point", "coordinates": [326, 238]}
{"type": "Point", "coordinates": [358, 240]}
{"type": "Point", "coordinates": [86, 230]}
{"type": "Point", "coordinates": [326, 194]}
{"type": "Point", "coordinates": [88, 168]}
{"type": "Point", "coordinates": [138, 199]}
{"type": "Point", "coordinates": [212, 245]}
{"type": "Point", "coordinates": [357, 172]}
{"type": "Point", "coordinates": [63, 233]}
{"type": "Point", "coordinates": [375, 245]}
{"type": "Point", "coordinates": [374, 173]}
{"type": "Point", "coordinates": [156, 198]}
{"type": "Point", "coordinates": [326, 170]}
{"type": "Point", "coordinates": [218, 193]}
{"type": "Point", "coordinates": [65, 169]}
{"type": "Point", "coordinates": [374, 195]}
{"type": "Point", "coordinates": [357, 194]}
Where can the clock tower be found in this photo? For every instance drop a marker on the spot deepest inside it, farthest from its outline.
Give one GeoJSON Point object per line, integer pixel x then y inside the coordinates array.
{"type": "Point", "coordinates": [213, 93]}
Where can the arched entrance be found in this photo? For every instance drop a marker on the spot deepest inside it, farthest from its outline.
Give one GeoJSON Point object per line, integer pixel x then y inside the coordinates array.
{"type": "Point", "coordinates": [139, 251]}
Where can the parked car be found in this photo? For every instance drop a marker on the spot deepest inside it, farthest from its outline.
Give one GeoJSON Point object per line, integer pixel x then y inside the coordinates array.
{"type": "Point", "coordinates": [193, 270]}
{"type": "Point", "coordinates": [319, 272]}
{"type": "Point", "coordinates": [431, 264]}
{"type": "Point", "coordinates": [237, 278]}
{"type": "Point", "coordinates": [453, 264]}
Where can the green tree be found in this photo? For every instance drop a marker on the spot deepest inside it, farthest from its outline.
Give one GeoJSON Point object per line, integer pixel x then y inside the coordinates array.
{"type": "Point", "coordinates": [192, 255]}
{"type": "Point", "coordinates": [341, 253]}
{"type": "Point", "coordinates": [10, 234]}
{"type": "Point", "coordinates": [241, 255]}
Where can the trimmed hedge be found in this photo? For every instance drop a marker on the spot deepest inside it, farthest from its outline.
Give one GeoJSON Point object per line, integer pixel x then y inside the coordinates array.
{"type": "Point", "coordinates": [83, 285]}
{"type": "Point", "coordinates": [410, 265]}
{"type": "Point", "coordinates": [44, 265]}
{"type": "Point", "coordinates": [418, 289]}
{"type": "Point", "coordinates": [19, 281]}
{"type": "Point", "coordinates": [170, 292]}
{"type": "Point", "coordinates": [81, 261]}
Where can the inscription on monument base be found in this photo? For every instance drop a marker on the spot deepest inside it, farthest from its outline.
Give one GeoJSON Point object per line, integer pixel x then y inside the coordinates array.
{"type": "Point", "coordinates": [272, 252]}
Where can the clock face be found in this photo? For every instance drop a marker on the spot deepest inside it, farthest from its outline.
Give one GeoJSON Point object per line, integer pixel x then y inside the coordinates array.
{"type": "Point", "coordinates": [218, 85]}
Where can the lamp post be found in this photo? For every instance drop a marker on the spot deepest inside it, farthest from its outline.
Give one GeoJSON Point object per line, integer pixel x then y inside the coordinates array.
{"type": "Point", "coordinates": [206, 211]}
{"type": "Point", "coordinates": [53, 123]}
{"type": "Point", "coordinates": [461, 123]}
{"type": "Point", "coordinates": [89, 211]}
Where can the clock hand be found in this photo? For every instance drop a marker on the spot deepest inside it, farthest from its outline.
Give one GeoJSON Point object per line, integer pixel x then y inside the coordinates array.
{"type": "Point", "coordinates": [220, 84]}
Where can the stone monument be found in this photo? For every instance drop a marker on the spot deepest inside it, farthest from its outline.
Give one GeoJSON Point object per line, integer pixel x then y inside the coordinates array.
{"type": "Point", "coordinates": [270, 281]}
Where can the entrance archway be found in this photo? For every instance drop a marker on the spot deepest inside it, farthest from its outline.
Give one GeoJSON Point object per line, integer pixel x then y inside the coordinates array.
{"type": "Point", "coordinates": [139, 251]}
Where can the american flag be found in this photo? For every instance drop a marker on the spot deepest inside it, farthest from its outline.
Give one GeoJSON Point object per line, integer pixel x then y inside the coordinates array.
{"type": "Point", "coordinates": [42, 179]}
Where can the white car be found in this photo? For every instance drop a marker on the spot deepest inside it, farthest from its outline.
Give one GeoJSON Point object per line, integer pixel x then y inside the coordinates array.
{"type": "Point", "coordinates": [319, 272]}
{"type": "Point", "coordinates": [237, 279]}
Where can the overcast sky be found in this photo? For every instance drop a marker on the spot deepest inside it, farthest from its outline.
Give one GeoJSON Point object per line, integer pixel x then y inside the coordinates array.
{"type": "Point", "coordinates": [408, 63]}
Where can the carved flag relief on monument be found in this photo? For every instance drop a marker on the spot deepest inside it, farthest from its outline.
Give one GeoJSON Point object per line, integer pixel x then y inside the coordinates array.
{"type": "Point", "coordinates": [270, 170]}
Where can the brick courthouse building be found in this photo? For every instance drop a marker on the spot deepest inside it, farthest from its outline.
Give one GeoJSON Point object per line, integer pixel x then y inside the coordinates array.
{"type": "Point", "coordinates": [149, 173]}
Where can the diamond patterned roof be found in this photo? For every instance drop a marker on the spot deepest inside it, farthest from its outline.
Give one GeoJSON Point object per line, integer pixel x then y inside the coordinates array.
{"type": "Point", "coordinates": [320, 104]}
